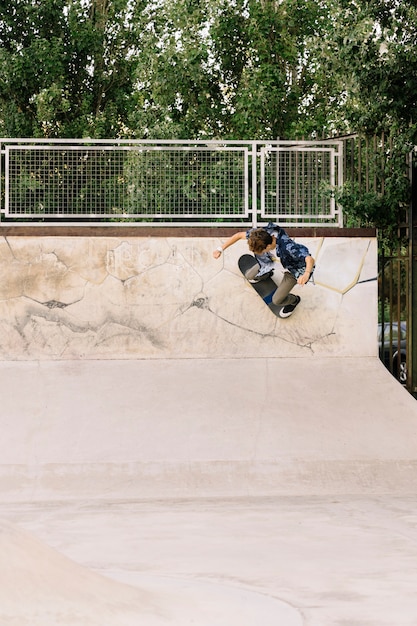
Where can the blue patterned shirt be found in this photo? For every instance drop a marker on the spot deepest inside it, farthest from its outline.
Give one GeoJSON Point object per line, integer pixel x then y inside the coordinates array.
{"type": "Point", "coordinates": [291, 254]}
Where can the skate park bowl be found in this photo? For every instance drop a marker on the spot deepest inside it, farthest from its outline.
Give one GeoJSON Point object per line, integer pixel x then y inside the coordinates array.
{"type": "Point", "coordinates": [173, 453]}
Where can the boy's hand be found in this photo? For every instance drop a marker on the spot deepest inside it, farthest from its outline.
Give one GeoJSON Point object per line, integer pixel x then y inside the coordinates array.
{"type": "Point", "coordinates": [302, 280]}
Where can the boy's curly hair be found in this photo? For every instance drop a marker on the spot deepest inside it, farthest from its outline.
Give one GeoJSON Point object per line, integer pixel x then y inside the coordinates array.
{"type": "Point", "coordinates": [258, 240]}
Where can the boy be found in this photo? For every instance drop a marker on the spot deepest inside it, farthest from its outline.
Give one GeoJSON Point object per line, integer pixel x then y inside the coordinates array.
{"type": "Point", "coordinates": [267, 243]}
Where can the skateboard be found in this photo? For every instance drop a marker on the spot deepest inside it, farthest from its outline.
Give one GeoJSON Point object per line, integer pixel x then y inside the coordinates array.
{"type": "Point", "coordinates": [264, 287]}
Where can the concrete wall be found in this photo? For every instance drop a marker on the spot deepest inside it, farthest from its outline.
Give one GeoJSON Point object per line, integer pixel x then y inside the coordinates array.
{"type": "Point", "coordinates": [147, 297]}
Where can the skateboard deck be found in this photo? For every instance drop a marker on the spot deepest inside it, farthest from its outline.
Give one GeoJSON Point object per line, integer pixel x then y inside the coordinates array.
{"type": "Point", "coordinates": [265, 288]}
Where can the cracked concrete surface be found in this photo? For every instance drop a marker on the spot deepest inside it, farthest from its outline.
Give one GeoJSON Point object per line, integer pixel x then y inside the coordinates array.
{"type": "Point", "coordinates": [94, 298]}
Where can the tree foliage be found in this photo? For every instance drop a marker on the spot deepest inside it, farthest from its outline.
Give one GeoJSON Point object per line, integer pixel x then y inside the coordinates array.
{"type": "Point", "coordinates": [66, 66]}
{"type": "Point", "coordinates": [188, 68]}
{"type": "Point", "coordinates": [211, 68]}
{"type": "Point", "coordinates": [231, 69]}
{"type": "Point", "coordinates": [373, 54]}
{"type": "Point", "coordinates": [218, 68]}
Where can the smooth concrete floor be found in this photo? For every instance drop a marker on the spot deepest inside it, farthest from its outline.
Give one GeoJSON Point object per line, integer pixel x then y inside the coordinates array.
{"type": "Point", "coordinates": [290, 561]}
{"type": "Point", "coordinates": [338, 548]}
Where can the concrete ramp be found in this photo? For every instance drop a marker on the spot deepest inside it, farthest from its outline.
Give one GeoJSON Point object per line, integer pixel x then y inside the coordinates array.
{"type": "Point", "coordinates": [184, 457]}
{"type": "Point", "coordinates": [204, 428]}
{"type": "Point", "coordinates": [216, 396]}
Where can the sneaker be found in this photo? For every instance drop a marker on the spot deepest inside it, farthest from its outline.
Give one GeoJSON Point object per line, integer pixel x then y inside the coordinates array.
{"type": "Point", "coordinates": [288, 309]}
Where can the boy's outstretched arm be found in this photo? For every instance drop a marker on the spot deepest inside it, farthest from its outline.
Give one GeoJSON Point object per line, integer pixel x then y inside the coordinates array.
{"type": "Point", "coordinates": [229, 242]}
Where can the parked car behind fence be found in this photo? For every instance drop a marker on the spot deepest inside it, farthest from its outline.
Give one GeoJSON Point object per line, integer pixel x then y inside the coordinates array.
{"type": "Point", "coordinates": [392, 348]}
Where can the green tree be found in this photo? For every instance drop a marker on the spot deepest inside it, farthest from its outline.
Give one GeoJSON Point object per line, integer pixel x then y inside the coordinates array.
{"type": "Point", "coordinates": [371, 63]}
{"type": "Point", "coordinates": [66, 66]}
{"type": "Point", "coordinates": [263, 56]}
{"type": "Point", "coordinates": [177, 86]}
{"type": "Point", "coordinates": [376, 45]}
{"type": "Point", "coordinates": [216, 68]}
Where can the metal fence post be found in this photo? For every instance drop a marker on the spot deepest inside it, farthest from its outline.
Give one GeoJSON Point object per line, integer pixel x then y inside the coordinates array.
{"type": "Point", "coordinates": [412, 309]}
{"type": "Point", "coordinates": [254, 185]}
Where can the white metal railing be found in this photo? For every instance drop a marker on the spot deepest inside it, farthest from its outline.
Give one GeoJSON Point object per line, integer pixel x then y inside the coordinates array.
{"type": "Point", "coordinates": [166, 182]}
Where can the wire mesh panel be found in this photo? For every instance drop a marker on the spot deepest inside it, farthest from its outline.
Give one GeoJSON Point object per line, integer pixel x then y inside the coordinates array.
{"type": "Point", "coordinates": [183, 183]}
{"type": "Point", "coordinates": [170, 181]}
{"type": "Point", "coordinates": [120, 182]}
{"type": "Point", "coordinates": [298, 184]}
{"type": "Point", "coordinates": [62, 181]}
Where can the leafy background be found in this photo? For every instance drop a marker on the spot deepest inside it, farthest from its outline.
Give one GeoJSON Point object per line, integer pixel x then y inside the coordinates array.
{"type": "Point", "coordinates": [227, 69]}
